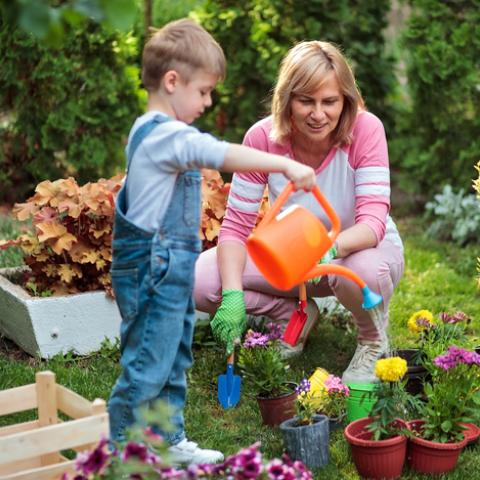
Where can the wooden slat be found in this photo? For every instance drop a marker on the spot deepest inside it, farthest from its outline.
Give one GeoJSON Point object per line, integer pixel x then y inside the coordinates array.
{"type": "Point", "coordinates": [50, 472]}
{"type": "Point", "coordinates": [20, 465]}
{"type": "Point", "coordinates": [18, 399]}
{"type": "Point", "coordinates": [18, 427]}
{"type": "Point", "coordinates": [47, 407]}
{"type": "Point", "coordinates": [98, 407]}
{"type": "Point", "coordinates": [53, 438]}
{"type": "Point", "coordinates": [72, 404]}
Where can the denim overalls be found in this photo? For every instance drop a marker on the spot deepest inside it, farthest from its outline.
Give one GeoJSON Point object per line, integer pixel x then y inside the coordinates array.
{"type": "Point", "coordinates": [152, 276]}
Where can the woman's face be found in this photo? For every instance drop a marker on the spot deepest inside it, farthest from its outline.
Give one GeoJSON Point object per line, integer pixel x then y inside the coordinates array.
{"type": "Point", "coordinates": [315, 116]}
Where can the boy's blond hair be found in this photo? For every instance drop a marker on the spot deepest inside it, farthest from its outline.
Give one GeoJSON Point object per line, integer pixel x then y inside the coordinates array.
{"type": "Point", "coordinates": [302, 72]}
{"type": "Point", "coordinates": [184, 46]}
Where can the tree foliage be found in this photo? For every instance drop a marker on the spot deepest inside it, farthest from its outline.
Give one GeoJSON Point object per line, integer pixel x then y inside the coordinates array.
{"type": "Point", "coordinates": [256, 35]}
{"type": "Point", "coordinates": [440, 133]}
{"type": "Point", "coordinates": [66, 110]}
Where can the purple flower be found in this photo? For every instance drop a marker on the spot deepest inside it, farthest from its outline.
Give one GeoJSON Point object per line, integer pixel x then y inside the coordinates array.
{"type": "Point", "coordinates": [274, 331]}
{"type": "Point", "coordinates": [456, 356]}
{"type": "Point", "coordinates": [170, 472]}
{"type": "Point", "coordinates": [246, 464]}
{"type": "Point", "coordinates": [95, 461]}
{"type": "Point", "coordinates": [255, 339]}
{"type": "Point", "coordinates": [303, 387]}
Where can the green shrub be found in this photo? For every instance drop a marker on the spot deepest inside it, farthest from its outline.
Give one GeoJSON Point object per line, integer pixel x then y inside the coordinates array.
{"type": "Point", "coordinates": [440, 140]}
{"type": "Point", "coordinates": [67, 111]}
{"type": "Point", "coordinates": [456, 216]}
{"type": "Point", "coordinates": [258, 33]}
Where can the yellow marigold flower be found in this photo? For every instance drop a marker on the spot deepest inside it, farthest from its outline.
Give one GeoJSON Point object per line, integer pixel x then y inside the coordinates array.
{"type": "Point", "coordinates": [420, 320]}
{"type": "Point", "coordinates": [391, 369]}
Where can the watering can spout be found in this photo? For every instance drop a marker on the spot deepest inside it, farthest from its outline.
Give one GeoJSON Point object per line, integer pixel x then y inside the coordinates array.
{"type": "Point", "coordinates": [370, 299]}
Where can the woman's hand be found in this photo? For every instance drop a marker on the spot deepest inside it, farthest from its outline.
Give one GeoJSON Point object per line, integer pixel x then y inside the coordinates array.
{"type": "Point", "coordinates": [230, 321]}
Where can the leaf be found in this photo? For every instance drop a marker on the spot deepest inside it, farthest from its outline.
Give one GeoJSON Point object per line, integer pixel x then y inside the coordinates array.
{"type": "Point", "coordinates": [45, 214]}
{"type": "Point", "coordinates": [50, 230]}
{"type": "Point", "coordinates": [24, 211]}
{"type": "Point", "coordinates": [64, 243]}
{"type": "Point", "coordinates": [67, 272]}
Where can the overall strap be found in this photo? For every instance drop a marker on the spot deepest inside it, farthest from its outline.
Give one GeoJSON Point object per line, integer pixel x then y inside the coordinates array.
{"type": "Point", "coordinates": [141, 133]}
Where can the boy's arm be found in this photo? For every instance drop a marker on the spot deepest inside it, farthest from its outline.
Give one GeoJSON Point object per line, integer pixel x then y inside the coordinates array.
{"type": "Point", "coordinates": [239, 158]}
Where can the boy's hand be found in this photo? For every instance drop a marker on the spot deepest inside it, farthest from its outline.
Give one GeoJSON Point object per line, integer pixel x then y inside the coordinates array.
{"type": "Point", "coordinates": [327, 258]}
{"type": "Point", "coordinates": [302, 176]}
{"type": "Point", "coordinates": [230, 321]}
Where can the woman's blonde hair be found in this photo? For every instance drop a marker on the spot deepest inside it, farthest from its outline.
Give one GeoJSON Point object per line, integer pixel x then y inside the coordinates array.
{"type": "Point", "coordinates": [302, 72]}
{"type": "Point", "coordinates": [184, 46]}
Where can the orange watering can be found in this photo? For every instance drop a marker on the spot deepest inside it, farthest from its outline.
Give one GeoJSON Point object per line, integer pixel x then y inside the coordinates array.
{"type": "Point", "coordinates": [286, 246]}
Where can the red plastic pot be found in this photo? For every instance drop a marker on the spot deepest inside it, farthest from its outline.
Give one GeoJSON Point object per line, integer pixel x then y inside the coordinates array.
{"type": "Point", "coordinates": [277, 409]}
{"type": "Point", "coordinates": [426, 456]}
{"type": "Point", "coordinates": [375, 459]}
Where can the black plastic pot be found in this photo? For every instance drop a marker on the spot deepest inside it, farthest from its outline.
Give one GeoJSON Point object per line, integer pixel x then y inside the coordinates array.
{"type": "Point", "coordinates": [416, 374]}
{"type": "Point", "coordinates": [308, 443]}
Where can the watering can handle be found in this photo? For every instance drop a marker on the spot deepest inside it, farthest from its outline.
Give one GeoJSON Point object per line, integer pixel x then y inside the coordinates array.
{"type": "Point", "coordinates": [282, 198]}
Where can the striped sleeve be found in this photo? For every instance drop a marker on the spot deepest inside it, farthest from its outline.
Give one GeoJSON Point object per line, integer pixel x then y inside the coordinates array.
{"type": "Point", "coordinates": [245, 195]}
{"type": "Point", "coordinates": [372, 174]}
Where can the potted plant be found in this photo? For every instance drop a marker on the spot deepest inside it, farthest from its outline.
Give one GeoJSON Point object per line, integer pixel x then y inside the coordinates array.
{"type": "Point", "coordinates": [379, 442]}
{"type": "Point", "coordinates": [453, 397]}
{"type": "Point", "coordinates": [68, 251]}
{"type": "Point", "coordinates": [266, 373]}
{"type": "Point", "coordinates": [433, 337]}
{"type": "Point", "coordinates": [306, 435]}
{"type": "Point", "coordinates": [47, 306]}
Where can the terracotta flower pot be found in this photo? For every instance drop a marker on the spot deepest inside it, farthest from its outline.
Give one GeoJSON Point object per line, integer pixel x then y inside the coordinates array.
{"type": "Point", "coordinates": [426, 456]}
{"type": "Point", "coordinates": [308, 443]}
{"type": "Point", "coordinates": [375, 459]}
{"type": "Point", "coordinates": [472, 433]}
{"type": "Point", "coordinates": [277, 409]}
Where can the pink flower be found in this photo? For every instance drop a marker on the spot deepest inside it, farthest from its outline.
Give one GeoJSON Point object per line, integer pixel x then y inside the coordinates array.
{"type": "Point", "coordinates": [95, 461]}
{"type": "Point", "coordinates": [334, 384]}
{"type": "Point", "coordinates": [255, 339]}
{"type": "Point", "coordinates": [456, 356]}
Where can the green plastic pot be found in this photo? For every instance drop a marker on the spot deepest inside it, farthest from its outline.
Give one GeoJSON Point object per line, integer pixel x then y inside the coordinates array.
{"type": "Point", "coordinates": [360, 401]}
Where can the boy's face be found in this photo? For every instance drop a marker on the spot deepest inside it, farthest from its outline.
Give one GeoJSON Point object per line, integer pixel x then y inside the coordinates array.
{"type": "Point", "coordinates": [189, 99]}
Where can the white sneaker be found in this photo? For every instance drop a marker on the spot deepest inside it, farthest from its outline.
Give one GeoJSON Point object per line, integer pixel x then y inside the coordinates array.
{"type": "Point", "coordinates": [186, 453]}
{"type": "Point", "coordinates": [313, 314]}
{"type": "Point", "coordinates": [362, 366]}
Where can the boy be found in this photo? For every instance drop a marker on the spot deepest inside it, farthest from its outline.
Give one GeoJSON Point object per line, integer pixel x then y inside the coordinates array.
{"type": "Point", "coordinates": [156, 241]}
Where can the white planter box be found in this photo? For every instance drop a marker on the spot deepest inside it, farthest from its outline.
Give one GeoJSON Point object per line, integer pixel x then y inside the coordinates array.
{"type": "Point", "coordinates": [46, 326]}
{"type": "Point", "coordinates": [50, 325]}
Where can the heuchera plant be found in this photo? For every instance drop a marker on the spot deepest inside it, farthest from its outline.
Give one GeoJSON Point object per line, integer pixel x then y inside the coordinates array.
{"type": "Point", "coordinates": [214, 203]}
{"type": "Point", "coordinates": [69, 249]}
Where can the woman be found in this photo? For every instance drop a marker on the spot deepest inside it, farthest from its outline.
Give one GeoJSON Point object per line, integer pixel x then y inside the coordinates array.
{"type": "Point", "coordinates": [318, 118]}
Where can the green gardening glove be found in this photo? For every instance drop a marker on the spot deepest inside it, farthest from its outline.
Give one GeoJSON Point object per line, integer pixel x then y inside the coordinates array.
{"type": "Point", "coordinates": [327, 258]}
{"type": "Point", "coordinates": [230, 320]}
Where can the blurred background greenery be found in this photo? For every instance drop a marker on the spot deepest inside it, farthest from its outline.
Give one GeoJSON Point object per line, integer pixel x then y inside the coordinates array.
{"type": "Point", "coordinates": [70, 86]}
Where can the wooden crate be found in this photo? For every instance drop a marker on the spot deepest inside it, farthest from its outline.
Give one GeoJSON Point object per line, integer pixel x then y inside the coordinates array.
{"type": "Point", "coordinates": [31, 450]}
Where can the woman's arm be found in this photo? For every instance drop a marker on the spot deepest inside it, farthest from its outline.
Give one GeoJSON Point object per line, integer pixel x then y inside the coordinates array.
{"type": "Point", "coordinates": [353, 239]}
{"type": "Point", "coordinates": [231, 257]}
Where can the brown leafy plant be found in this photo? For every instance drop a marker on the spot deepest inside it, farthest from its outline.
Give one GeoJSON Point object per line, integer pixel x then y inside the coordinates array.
{"type": "Point", "coordinates": [69, 249]}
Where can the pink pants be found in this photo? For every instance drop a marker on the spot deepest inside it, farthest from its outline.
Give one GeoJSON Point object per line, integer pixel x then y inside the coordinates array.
{"type": "Point", "coordinates": [381, 268]}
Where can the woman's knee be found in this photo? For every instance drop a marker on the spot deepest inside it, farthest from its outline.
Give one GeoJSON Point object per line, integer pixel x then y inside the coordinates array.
{"type": "Point", "coordinates": [207, 287]}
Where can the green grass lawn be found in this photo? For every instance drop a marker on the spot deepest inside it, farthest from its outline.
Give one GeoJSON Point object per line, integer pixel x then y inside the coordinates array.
{"type": "Point", "coordinates": [438, 276]}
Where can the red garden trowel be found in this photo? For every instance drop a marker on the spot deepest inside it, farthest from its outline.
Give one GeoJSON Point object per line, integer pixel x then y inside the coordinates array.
{"type": "Point", "coordinates": [298, 318]}
{"type": "Point", "coordinates": [229, 386]}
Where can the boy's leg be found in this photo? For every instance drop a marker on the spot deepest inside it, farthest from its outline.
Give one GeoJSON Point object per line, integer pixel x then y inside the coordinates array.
{"type": "Point", "coordinates": [150, 336]}
{"type": "Point", "coordinates": [173, 394]}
